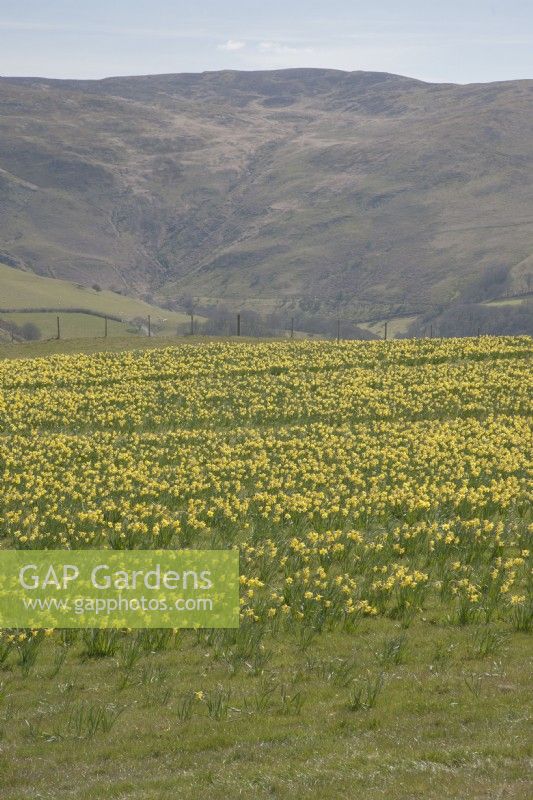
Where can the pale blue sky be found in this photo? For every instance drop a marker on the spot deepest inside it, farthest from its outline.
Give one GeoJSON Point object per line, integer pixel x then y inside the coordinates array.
{"type": "Point", "coordinates": [452, 40]}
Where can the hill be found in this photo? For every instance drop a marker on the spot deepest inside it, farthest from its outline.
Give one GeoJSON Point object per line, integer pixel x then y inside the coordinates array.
{"type": "Point", "coordinates": [368, 193]}
{"type": "Point", "coordinates": [25, 297]}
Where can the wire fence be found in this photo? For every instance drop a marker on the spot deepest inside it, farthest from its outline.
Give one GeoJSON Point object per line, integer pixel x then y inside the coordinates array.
{"type": "Point", "coordinates": [35, 325]}
{"type": "Point", "coordinates": [19, 326]}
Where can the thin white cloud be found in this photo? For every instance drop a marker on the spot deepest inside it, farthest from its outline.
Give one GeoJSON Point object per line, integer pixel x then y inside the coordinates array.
{"type": "Point", "coordinates": [232, 45]}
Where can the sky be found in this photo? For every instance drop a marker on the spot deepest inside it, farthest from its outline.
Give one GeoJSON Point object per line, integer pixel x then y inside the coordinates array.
{"type": "Point", "coordinates": [460, 41]}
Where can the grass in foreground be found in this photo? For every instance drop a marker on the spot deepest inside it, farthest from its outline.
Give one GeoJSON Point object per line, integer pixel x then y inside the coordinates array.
{"type": "Point", "coordinates": [378, 711]}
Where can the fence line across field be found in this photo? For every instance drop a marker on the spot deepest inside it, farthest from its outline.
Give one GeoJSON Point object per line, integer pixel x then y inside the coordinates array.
{"type": "Point", "coordinates": [73, 324]}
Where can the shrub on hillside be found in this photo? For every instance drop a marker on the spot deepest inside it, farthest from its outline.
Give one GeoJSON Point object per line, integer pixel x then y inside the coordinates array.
{"type": "Point", "coordinates": [30, 331]}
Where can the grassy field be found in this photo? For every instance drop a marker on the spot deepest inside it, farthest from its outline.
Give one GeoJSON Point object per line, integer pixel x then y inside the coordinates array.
{"type": "Point", "coordinates": [395, 325]}
{"type": "Point", "coordinates": [25, 290]}
{"type": "Point", "coordinates": [509, 301]}
{"type": "Point", "coordinates": [116, 344]}
{"type": "Point", "coordinates": [72, 326]}
{"type": "Point", "coordinates": [378, 493]}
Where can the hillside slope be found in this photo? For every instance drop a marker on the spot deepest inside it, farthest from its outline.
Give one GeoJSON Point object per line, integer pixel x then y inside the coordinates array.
{"type": "Point", "coordinates": [24, 297]}
{"type": "Point", "coordinates": [367, 192]}
{"type": "Point", "coordinates": [19, 290]}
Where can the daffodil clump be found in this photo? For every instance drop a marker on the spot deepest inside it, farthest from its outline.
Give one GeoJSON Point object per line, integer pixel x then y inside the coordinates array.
{"type": "Point", "coordinates": [356, 479]}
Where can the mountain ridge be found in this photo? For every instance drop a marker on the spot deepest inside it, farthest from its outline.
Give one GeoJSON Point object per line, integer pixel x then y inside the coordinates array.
{"type": "Point", "coordinates": [369, 192]}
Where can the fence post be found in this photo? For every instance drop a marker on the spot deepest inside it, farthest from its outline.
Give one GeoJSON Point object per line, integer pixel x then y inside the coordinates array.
{"type": "Point", "coordinates": [431, 331]}
{"type": "Point", "coordinates": [58, 329]}
{"type": "Point", "coordinates": [292, 327]}
{"type": "Point", "coordinates": [149, 325]}
{"type": "Point", "coordinates": [192, 325]}
{"type": "Point", "coordinates": [105, 327]}
{"type": "Point", "coordinates": [238, 324]}
{"type": "Point", "coordinates": [338, 330]}
{"type": "Point", "coordinates": [385, 337]}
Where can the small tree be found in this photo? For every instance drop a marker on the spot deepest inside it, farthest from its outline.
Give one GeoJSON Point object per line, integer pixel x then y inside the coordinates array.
{"type": "Point", "coordinates": [188, 303]}
{"type": "Point", "coordinates": [30, 331]}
